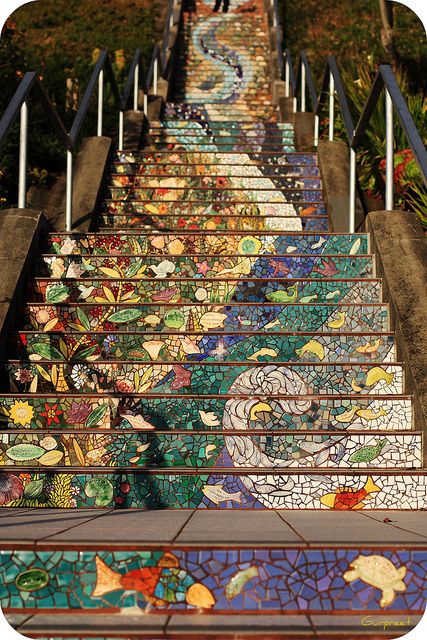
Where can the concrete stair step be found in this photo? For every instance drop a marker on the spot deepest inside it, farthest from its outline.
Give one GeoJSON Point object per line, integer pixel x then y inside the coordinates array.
{"type": "Point", "coordinates": [116, 219]}
{"type": "Point", "coordinates": [204, 243]}
{"type": "Point", "coordinates": [212, 215]}
{"type": "Point", "coordinates": [221, 170]}
{"type": "Point", "coordinates": [253, 182]}
{"type": "Point", "coordinates": [215, 290]}
{"type": "Point", "coordinates": [190, 413]}
{"type": "Point", "coordinates": [243, 147]}
{"type": "Point", "coordinates": [218, 489]}
{"type": "Point", "coordinates": [204, 377]}
{"type": "Point", "coordinates": [223, 194]}
{"type": "Point", "coordinates": [206, 451]}
{"type": "Point", "coordinates": [233, 347]}
{"type": "Point", "coordinates": [157, 126]}
{"type": "Point", "coordinates": [191, 627]}
{"type": "Point", "coordinates": [197, 157]}
{"type": "Point", "coordinates": [183, 266]}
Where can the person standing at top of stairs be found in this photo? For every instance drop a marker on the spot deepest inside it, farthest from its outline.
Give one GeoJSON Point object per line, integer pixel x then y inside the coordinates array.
{"type": "Point", "coordinates": [225, 7]}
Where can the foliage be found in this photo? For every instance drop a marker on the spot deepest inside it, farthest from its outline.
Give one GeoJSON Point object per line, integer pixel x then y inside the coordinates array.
{"type": "Point", "coordinates": [350, 30]}
{"type": "Point", "coordinates": [408, 184]}
{"type": "Point", "coordinates": [61, 39]}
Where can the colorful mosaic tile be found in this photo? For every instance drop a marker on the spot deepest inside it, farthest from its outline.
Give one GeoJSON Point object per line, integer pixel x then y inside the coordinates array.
{"type": "Point", "coordinates": [233, 489]}
{"type": "Point", "coordinates": [280, 580]}
{"type": "Point", "coordinates": [138, 267]}
{"type": "Point", "coordinates": [192, 413]}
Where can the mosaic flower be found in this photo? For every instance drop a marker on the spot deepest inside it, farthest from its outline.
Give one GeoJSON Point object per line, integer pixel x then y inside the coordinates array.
{"type": "Point", "coordinates": [249, 245]}
{"type": "Point", "coordinates": [78, 412]}
{"type": "Point", "coordinates": [80, 375]}
{"type": "Point", "coordinates": [11, 488]}
{"type": "Point", "coordinates": [23, 375]}
{"type": "Point", "coordinates": [51, 413]}
{"type": "Point", "coordinates": [21, 413]}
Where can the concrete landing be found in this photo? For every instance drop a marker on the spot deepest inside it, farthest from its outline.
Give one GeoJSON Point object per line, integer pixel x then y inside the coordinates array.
{"type": "Point", "coordinates": [110, 528]}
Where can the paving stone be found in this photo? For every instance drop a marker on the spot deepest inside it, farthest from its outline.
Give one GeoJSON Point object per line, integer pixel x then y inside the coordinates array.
{"type": "Point", "coordinates": [366, 624]}
{"type": "Point", "coordinates": [103, 623]}
{"type": "Point", "coordinates": [347, 528]}
{"type": "Point", "coordinates": [35, 524]}
{"type": "Point", "coordinates": [237, 527]}
{"type": "Point", "coordinates": [127, 527]}
{"type": "Point", "coordinates": [211, 624]}
{"type": "Point", "coordinates": [411, 521]}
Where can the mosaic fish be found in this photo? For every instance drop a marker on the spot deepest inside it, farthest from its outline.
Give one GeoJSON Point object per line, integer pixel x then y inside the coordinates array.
{"type": "Point", "coordinates": [238, 581]}
{"type": "Point", "coordinates": [216, 494]}
{"type": "Point", "coordinates": [346, 498]}
{"type": "Point", "coordinates": [290, 295]}
{"type": "Point", "coordinates": [369, 453]}
{"type": "Point", "coordinates": [378, 572]}
{"type": "Point", "coordinates": [162, 584]}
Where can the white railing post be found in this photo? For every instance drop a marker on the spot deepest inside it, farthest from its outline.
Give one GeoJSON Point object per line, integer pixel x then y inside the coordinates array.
{"type": "Point", "coordinates": [23, 153]}
{"type": "Point", "coordinates": [389, 163]}
{"type": "Point", "coordinates": [100, 101]}
{"type": "Point", "coordinates": [302, 87]}
{"type": "Point", "coordinates": [136, 87]}
{"type": "Point", "coordinates": [287, 78]}
{"type": "Point", "coordinates": [294, 105]}
{"type": "Point", "coordinates": [69, 192]}
{"type": "Point", "coordinates": [155, 76]}
{"type": "Point", "coordinates": [316, 130]}
{"type": "Point", "coordinates": [121, 129]}
{"type": "Point", "coordinates": [145, 103]}
{"type": "Point", "coordinates": [331, 106]}
{"type": "Point", "coordinates": [352, 192]}
{"type": "Point", "coordinates": [172, 17]}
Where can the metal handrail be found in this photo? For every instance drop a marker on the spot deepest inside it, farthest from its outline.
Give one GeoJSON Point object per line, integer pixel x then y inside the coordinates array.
{"type": "Point", "coordinates": [31, 85]}
{"type": "Point", "coordinates": [332, 85]}
{"type": "Point", "coordinates": [290, 82]}
{"type": "Point", "coordinates": [305, 79]}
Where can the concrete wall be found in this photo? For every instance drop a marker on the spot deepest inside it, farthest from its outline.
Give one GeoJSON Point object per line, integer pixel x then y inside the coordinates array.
{"type": "Point", "coordinates": [400, 247]}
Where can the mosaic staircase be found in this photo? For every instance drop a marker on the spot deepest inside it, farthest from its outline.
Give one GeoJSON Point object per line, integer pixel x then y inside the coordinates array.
{"type": "Point", "coordinates": [211, 347]}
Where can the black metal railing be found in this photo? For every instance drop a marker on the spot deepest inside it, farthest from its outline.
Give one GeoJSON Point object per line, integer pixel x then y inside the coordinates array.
{"type": "Point", "coordinates": [31, 88]}
{"type": "Point", "coordinates": [333, 88]}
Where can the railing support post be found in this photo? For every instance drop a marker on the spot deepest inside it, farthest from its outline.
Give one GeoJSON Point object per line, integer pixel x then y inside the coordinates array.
{"type": "Point", "coordinates": [121, 129]}
{"type": "Point", "coordinates": [100, 101]}
{"type": "Point", "coordinates": [135, 87]}
{"type": "Point", "coordinates": [69, 192]}
{"type": "Point", "coordinates": [389, 163]}
{"type": "Point", "coordinates": [145, 103]}
{"type": "Point", "coordinates": [303, 101]}
{"type": "Point", "coordinates": [316, 130]}
{"type": "Point", "coordinates": [352, 192]}
{"type": "Point", "coordinates": [294, 105]}
{"type": "Point", "coordinates": [287, 78]}
{"type": "Point", "coordinates": [331, 106]}
{"type": "Point", "coordinates": [155, 76]}
{"type": "Point", "coordinates": [23, 153]}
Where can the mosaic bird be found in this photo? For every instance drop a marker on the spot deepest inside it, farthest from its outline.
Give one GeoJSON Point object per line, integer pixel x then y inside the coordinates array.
{"type": "Point", "coordinates": [328, 268]}
{"type": "Point", "coordinates": [346, 498]}
{"type": "Point", "coordinates": [163, 584]}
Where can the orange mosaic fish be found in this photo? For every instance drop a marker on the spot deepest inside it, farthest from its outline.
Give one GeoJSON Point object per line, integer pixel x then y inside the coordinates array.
{"type": "Point", "coordinates": [162, 584]}
{"type": "Point", "coordinates": [346, 498]}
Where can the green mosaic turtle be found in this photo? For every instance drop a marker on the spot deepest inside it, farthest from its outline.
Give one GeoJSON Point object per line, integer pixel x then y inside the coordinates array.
{"type": "Point", "coordinates": [378, 572]}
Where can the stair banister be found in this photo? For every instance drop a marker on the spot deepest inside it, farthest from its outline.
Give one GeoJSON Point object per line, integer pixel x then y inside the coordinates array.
{"type": "Point", "coordinates": [395, 102]}
{"type": "Point", "coordinates": [19, 104]}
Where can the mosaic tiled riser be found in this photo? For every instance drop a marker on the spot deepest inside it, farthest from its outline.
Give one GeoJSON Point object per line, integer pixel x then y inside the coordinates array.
{"type": "Point", "coordinates": [250, 369]}
{"type": "Point", "coordinates": [215, 490]}
{"type": "Point", "coordinates": [250, 580]}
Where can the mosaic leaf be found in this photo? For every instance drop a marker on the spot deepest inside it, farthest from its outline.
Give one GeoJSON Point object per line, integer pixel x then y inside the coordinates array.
{"type": "Point", "coordinates": [125, 315]}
